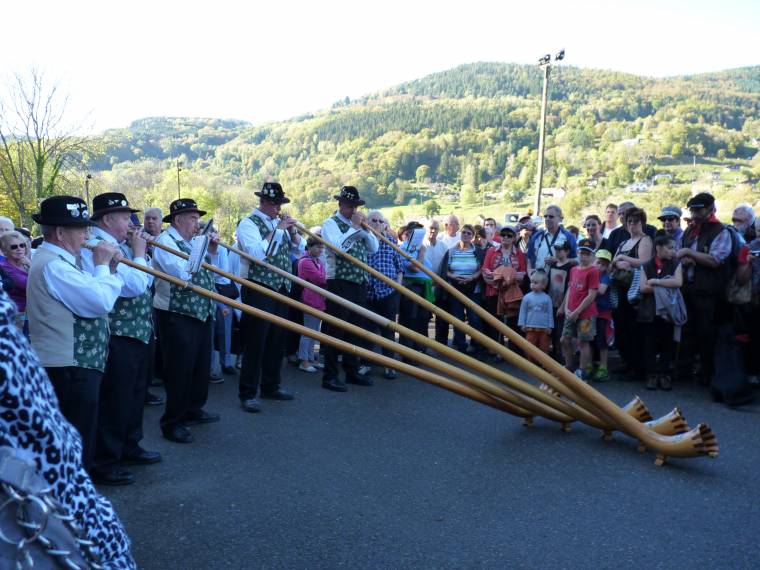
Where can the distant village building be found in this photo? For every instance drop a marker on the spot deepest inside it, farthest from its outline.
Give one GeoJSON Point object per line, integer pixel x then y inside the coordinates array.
{"type": "Point", "coordinates": [556, 193]}
{"type": "Point", "coordinates": [638, 187]}
{"type": "Point", "coordinates": [594, 179]}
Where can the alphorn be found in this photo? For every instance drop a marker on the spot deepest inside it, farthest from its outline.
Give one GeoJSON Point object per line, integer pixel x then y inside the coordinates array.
{"type": "Point", "coordinates": [521, 406]}
{"type": "Point", "coordinates": [572, 412]}
{"type": "Point", "coordinates": [409, 370]}
{"type": "Point", "coordinates": [697, 442]}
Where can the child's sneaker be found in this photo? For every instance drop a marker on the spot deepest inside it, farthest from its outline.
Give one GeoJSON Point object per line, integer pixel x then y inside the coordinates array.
{"type": "Point", "coordinates": [579, 373]}
{"type": "Point", "coordinates": [601, 375]}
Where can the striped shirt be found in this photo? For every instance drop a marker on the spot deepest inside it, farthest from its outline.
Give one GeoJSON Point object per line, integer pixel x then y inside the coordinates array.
{"type": "Point", "coordinates": [463, 262]}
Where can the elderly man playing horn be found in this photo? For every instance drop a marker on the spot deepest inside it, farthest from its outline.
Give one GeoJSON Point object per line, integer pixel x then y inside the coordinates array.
{"type": "Point", "coordinates": [68, 311]}
{"type": "Point", "coordinates": [185, 320]}
{"type": "Point", "coordinates": [122, 391]}
{"type": "Point", "coordinates": [345, 230]}
{"type": "Point", "coordinates": [271, 237]}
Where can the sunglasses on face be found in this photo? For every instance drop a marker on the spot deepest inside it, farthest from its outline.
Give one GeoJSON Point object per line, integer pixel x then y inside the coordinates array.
{"type": "Point", "coordinates": [466, 233]}
{"type": "Point", "coordinates": [376, 221]}
{"type": "Point", "coordinates": [672, 219]}
{"type": "Point", "coordinates": [508, 236]}
{"type": "Point", "coordinates": [15, 246]}
{"type": "Point", "coordinates": [737, 220]}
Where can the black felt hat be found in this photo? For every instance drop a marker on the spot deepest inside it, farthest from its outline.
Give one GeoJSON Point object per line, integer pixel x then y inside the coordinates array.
{"type": "Point", "coordinates": [273, 192]}
{"type": "Point", "coordinates": [110, 202]}
{"type": "Point", "coordinates": [182, 206]}
{"type": "Point", "coordinates": [63, 211]}
{"type": "Point", "coordinates": [701, 200]}
{"type": "Point", "coordinates": [350, 195]}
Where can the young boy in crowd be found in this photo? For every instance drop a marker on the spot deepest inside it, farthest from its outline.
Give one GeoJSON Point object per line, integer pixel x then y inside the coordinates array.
{"type": "Point", "coordinates": [603, 317]}
{"type": "Point", "coordinates": [557, 275]}
{"type": "Point", "coordinates": [580, 311]}
{"type": "Point", "coordinates": [537, 313]}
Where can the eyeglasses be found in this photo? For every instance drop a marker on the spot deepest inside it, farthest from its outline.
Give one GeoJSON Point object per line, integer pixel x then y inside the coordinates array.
{"type": "Point", "coordinates": [376, 221]}
{"type": "Point", "coordinates": [15, 246]}
{"type": "Point", "coordinates": [671, 219]}
{"type": "Point", "coordinates": [739, 220]}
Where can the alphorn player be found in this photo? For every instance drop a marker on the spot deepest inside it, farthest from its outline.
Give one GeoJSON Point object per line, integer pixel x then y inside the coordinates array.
{"type": "Point", "coordinates": [268, 236]}
{"type": "Point", "coordinates": [185, 320]}
{"type": "Point", "coordinates": [122, 391]}
{"type": "Point", "coordinates": [68, 311]}
{"type": "Point", "coordinates": [344, 230]}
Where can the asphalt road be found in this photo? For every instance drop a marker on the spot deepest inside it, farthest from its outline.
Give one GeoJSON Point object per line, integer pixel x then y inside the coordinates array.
{"type": "Point", "coordinates": [406, 475]}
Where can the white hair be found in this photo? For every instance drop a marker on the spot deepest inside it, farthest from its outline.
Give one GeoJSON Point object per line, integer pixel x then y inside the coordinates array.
{"type": "Point", "coordinates": [554, 207]}
{"type": "Point", "coordinates": [747, 209]}
{"type": "Point", "coordinates": [154, 210]}
{"type": "Point", "coordinates": [5, 220]}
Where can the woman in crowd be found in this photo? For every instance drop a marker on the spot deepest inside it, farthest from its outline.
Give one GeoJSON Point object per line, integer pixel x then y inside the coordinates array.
{"type": "Point", "coordinates": [593, 226]}
{"type": "Point", "coordinates": [462, 267]}
{"type": "Point", "coordinates": [411, 315]}
{"type": "Point", "coordinates": [14, 247]}
{"type": "Point", "coordinates": [311, 268]}
{"type": "Point", "coordinates": [656, 332]}
{"type": "Point", "coordinates": [631, 254]}
{"type": "Point", "coordinates": [507, 254]}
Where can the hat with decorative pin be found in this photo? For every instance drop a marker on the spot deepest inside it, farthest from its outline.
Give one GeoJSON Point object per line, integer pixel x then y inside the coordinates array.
{"type": "Point", "coordinates": [63, 211]}
{"type": "Point", "coordinates": [273, 192]}
{"type": "Point", "coordinates": [110, 202]}
{"type": "Point", "coordinates": [350, 195]}
{"type": "Point", "coordinates": [183, 206]}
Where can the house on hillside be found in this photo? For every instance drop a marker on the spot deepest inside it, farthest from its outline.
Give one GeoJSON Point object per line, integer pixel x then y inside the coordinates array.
{"type": "Point", "coordinates": [638, 187]}
{"type": "Point", "coordinates": [555, 193]}
{"type": "Point", "coordinates": [594, 179]}
{"type": "Point", "coordinates": [664, 176]}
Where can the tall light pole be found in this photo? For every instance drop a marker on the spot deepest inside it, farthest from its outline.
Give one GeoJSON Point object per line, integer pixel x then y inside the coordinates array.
{"type": "Point", "coordinates": [544, 63]}
{"type": "Point", "coordinates": [87, 188]}
{"type": "Point", "coordinates": [179, 168]}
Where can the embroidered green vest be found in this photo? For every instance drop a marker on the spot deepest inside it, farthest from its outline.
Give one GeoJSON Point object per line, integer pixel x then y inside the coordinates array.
{"type": "Point", "coordinates": [131, 317]}
{"type": "Point", "coordinates": [281, 259]}
{"type": "Point", "coordinates": [90, 340]}
{"type": "Point", "coordinates": [184, 301]}
{"type": "Point", "coordinates": [345, 269]}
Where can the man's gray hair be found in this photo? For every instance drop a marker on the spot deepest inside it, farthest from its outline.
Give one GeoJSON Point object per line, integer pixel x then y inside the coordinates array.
{"type": "Point", "coordinates": [556, 209]}
{"type": "Point", "coordinates": [154, 210]}
{"type": "Point", "coordinates": [747, 209]}
{"type": "Point", "coordinates": [373, 212]}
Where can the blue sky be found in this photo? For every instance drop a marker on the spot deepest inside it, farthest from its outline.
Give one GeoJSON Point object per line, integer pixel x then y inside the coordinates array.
{"type": "Point", "coordinates": [124, 61]}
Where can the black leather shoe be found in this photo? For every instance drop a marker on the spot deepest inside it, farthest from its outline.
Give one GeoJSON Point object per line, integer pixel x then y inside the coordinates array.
{"type": "Point", "coordinates": [228, 370]}
{"type": "Point", "coordinates": [279, 394]}
{"type": "Point", "coordinates": [334, 385]}
{"type": "Point", "coordinates": [251, 405]}
{"type": "Point", "coordinates": [178, 434]}
{"type": "Point", "coordinates": [360, 380]}
{"type": "Point", "coordinates": [142, 457]}
{"type": "Point", "coordinates": [113, 477]}
{"type": "Point", "coordinates": [201, 417]}
{"type": "Point", "coordinates": [152, 399]}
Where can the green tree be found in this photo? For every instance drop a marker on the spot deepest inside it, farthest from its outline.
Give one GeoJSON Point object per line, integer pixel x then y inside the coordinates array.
{"type": "Point", "coordinates": [431, 208]}
{"type": "Point", "coordinates": [422, 173]}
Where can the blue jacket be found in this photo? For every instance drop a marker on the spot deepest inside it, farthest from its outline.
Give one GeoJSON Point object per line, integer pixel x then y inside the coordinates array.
{"type": "Point", "coordinates": [538, 235]}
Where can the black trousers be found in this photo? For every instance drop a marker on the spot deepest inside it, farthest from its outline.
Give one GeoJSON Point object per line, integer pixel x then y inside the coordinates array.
{"type": "Point", "coordinates": [186, 347]}
{"type": "Point", "coordinates": [157, 362]}
{"type": "Point", "coordinates": [413, 316]}
{"type": "Point", "coordinates": [442, 325]}
{"type": "Point", "coordinates": [657, 339]}
{"type": "Point", "coordinates": [386, 307]}
{"type": "Point", "coordinates": [351, 292]}
{"type": "Point", "coordinates": [702, 331]}
{"type": "Point", "coordinates": [122, 398]}
{"type": "Point", "coordinates": [264, 346]}
{"type": "Point", "coordinates": [78, 391]}
{"type": "Point", "coordinates": [626, 339]}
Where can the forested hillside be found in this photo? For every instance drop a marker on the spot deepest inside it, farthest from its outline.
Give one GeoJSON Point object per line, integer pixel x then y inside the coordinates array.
{"type": "Point", "coordinates": [462, 136]}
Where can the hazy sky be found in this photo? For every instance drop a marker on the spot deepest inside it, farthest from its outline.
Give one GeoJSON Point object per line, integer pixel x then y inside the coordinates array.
{"type": "Point", "coordinates": [263, 61]}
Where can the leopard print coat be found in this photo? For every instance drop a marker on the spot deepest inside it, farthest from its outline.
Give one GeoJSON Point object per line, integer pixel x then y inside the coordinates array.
{"type": "Point", "coordinates": [31, 422]}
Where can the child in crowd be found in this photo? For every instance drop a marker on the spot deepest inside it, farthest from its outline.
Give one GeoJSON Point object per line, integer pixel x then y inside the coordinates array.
{"type": "Point", "coordinates": [580, 311]}
{"type": "Point", "coordinates": [312, 269]}
{"type": "Point", "coordinates": [537, 313]}
{"type": "Point", "coordinates": [558, 274]}
{"type": "Point", "coordinates": [604, 324]}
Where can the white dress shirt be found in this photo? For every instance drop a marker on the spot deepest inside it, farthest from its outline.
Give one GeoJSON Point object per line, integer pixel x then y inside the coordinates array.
{"type": "Point", "coordinates": [87, 295]}
{"type": "Point", "coordinates": [449, 241]}
{"type": "Point", "coordinates": [250, 240]}
{"type": "Point", "coordinates": [435, 253]}
{"type": "Point", "coordinates": [136, 282]}
{"type": "Point", "coordinates": [170, 263]}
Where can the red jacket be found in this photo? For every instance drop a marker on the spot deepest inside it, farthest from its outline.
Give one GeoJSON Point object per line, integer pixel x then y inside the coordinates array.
{"type": "Point", "coordinates": [494, 259]}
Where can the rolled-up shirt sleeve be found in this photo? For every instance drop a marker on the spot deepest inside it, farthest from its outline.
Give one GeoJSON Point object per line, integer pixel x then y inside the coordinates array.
{"type": "Point", "coordinates": [721, 246]}
{"type": "Point", "coordinates": [84, 294]}
{"type": "Point", "coordinates": [136, 282]}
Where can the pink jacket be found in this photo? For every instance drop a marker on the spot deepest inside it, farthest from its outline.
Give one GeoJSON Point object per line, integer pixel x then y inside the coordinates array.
{"type": "Point", "coordinates": [312, 270]}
